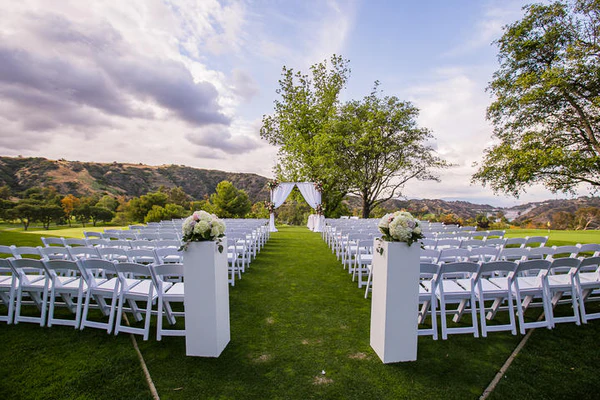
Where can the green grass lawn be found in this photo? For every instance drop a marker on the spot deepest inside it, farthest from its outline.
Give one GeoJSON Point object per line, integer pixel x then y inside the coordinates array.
{"type": "Point", "coordinates": [294, 314]}
{"type": "Point", "coordinates": [558, 238]}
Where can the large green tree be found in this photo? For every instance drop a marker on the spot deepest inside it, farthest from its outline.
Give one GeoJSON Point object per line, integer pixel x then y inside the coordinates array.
{"type": "Point", "coordinates": [369, 148]}
{"type": "Point", "coordinates": [377, 146]}
{"type": "Point", "coordinates": [546, 112]}
{"type": "Point", "coordinates": [305, 112]}
{"type": "Point", "coordinates": [230, 202]}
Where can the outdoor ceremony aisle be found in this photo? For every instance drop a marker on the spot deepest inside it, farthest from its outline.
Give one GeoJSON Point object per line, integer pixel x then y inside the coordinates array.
{"type": "Point", "coordinates": [300, 329]}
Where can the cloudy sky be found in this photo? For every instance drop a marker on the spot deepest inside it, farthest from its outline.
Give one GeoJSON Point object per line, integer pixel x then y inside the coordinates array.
{"type": "Point", "coordinates": [188, 81]}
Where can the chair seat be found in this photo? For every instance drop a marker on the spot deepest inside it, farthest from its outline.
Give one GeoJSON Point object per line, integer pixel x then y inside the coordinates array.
{"type": "Point", "coordinates": [107, 285]}
{"type": "Point", "coordinates": [5, 279]}
{"type": "Point", "coordinates": [175, 291]}
{"type": "Point", "coordinates": [494, 286]}
{"type": "Point", "coordinates": [559, 280]}
{"type": "Point", "coordinates": [37, 284]}
{"type": "Point", "coordinates": [529, 283]}
{"type": "Point", "coordinates": [141, 289]}
{"type": "Point", "coordinates": [452, 289]}
{"type": "Point", "coordinates": [589, 278]}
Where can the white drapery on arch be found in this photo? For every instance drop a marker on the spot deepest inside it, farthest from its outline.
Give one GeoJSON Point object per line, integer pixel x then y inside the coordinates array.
{"type": "Point", "coordinates": [310, 194]}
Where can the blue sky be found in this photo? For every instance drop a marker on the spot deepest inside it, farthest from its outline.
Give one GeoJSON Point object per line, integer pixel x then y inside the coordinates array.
{"type": "Point", "coordinates": [188, 81]}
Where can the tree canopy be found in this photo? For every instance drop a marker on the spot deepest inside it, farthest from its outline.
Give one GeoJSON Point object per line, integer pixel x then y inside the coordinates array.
{"type": "Point", "coordinates": [369, 148]}
{"type": "Point", "coordinates": [546, 113]}
{"type": "Point", "coordinates": [378, 147]}
{"type": "Point", "coordinates": [302, 117]}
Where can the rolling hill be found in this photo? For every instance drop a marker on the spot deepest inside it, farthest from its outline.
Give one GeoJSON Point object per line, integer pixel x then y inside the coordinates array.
{"type": "Point", "coordinates": [129, 180]}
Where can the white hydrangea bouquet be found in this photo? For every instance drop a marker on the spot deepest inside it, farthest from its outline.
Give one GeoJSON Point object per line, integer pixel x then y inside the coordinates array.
{"type": "Point", "coordinates": [400, 226]}
{"type": "Point", "coordinates": [202, 226]}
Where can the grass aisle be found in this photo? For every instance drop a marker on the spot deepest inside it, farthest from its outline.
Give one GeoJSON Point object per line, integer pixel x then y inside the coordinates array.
{"type": "Point", "coordinates": [297, 313]}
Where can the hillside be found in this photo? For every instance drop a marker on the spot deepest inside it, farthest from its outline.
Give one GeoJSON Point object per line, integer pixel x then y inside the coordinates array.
{"type": "Point", "coordinates": [463, 209]}
{"type": "Point", "coordinates": [541, 212]}
{"type": "Point", "coordinates": [87, 178]}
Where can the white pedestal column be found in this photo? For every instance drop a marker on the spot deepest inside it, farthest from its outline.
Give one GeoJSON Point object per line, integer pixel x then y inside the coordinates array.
{"type": "Point", "coordinates": [395, 301]}
{"type": "Point", "coordinates": [206, 299]}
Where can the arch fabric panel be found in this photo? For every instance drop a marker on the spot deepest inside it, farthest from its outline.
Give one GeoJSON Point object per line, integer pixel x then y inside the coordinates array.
{"type": "Point", "coordinates": [310, 193]}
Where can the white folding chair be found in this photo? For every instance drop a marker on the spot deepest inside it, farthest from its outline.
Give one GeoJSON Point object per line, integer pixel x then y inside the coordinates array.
{"type": "Point", "coordinates": [80, 253]}
{"type": "Point", "coordinates": [55, 253]}
{"type": "Point", "coordinates": [528, 283]}
{"type": "Point", "coordinates": [540, 253]}
{"type": "Point", "coordinates": [123, 244]}
{"type": "Point", "coordinates": [74, 242]}
{"type": "Point", "coordinates": [66, 282]}
{"type": "Point", "coordinates": [431, 256]}
{"type": "Point", "coordinates": [133, 290]}
{"type": "Point", "coordinates": [52, 241]}
{"type": "Point", "coordinates": [515, 242]}
{"type": "Point", "coordinates": [494, 242]}
{"type": "Point", "coordinates": [461, 291]}
{"type": "Point", "coordinates": [8, 284]}
{"type": "Point", "coordinates": [450, 255]}
{"type": "Point", "coordinates": [92, 235]}
{"type": "Point", "coordinates": [94, 242]}
{"type": "Point", "coordinates": [113, 254]}
{"type": "Point", "coordinates": [513, 254]}
{"type": "Point", "coordinates": [592, 248]}
{"type": "Point", "coordinates": [33, 282]}
{"type": "Point", "coordinates": [141, 256]}
{"type": "Point", "coordinates": [472, 243]}
{"type": "Point", "coordinates": [587, 280]}
{"type": "Point", "coordinates": [168, 292]}
{"type": "Point", "coordinates": [493, 283]}
{"type": "Point", "coordinates": [428, 298]}
{"type": "Point", "coordinates": [566, 251]}
{"type": "Point", "coordinates": [561, 282]}
{"type": "Point", "coordinates": [483, 254]}
{"type": "Point", "coordinates": [448, 243]}
{"type": "Point", "coordinates": [536, 241]}
{"type": "Point", "coordinates": [26, 252]}
{"type": "Point", "coordinates": [99, 290]}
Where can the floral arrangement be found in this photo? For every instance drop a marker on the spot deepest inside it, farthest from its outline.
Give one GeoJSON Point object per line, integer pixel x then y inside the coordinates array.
{"type": "Point", "coordinates": [320, 209]}
{"type": "Point", "coordinates": [202, 226]}
{"type": "Point", "coordinates": [272, 185]}
{"type": "Point", "coordinates": [319, 186]}
{"type": "Point", "coordinates": [400, 226]}
{"type": "Point", "coordinates": [270, 206]}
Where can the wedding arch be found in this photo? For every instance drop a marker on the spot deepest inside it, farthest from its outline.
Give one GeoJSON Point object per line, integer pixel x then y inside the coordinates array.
{"type": "Point", "coordinates": [311, 191]}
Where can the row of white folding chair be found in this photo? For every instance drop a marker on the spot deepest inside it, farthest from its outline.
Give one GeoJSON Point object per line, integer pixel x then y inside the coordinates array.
{"type": "Point", "coordinates": [529, 241]}
{"type": "Point", "coordinates": [485, 254]}
{"type": "Point", "coordinates": [146, 235]}
{"type": "Point", "coordinates": [507, 254]}
{"type": "Point", "coordinates": [145, 255]}
{"type": "Point", "coordinates": [506, 282]}
{"type": "Point", "coordinates": [86, 285]}
{"type": "Point", "coordinates": [459, 234]}
{"type": "Point", "coordinates": [124, 243]}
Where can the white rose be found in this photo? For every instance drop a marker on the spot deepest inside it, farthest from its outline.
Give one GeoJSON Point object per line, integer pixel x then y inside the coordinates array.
{"type": "Point", "coordinates": [385, 221]}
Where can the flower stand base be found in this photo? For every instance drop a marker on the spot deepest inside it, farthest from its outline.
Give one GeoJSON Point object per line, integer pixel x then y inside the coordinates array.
{"type": "Point", "coordinates": [206, 299]}
{"type": "Point", "coordinates": [395, 301]}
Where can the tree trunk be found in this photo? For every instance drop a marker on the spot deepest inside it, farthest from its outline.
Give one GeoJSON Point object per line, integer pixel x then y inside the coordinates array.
{"type": "Point", "coordinates": [366, 208]}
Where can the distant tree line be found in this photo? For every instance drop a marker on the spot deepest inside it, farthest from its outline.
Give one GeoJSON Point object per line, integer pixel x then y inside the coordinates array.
{"type": "Point", "coordinates": [46, 206]}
